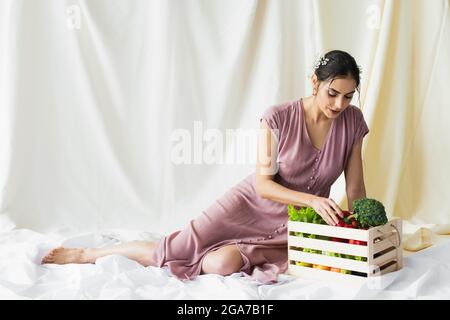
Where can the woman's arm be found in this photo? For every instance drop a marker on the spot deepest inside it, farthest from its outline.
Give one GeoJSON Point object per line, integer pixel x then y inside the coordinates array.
{"type": "Point", "coordinates": [354, 176]}
{"type": "Point", "coordinates": [276, 192]}
{"type": "Point", "coordinates": [266, 168]}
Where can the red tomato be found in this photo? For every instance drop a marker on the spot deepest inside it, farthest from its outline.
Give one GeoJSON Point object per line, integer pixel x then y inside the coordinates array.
{"type": "Point", "coordinates": [354, 224]}
{"type": "Point", "coordinates": [358, 242]}
{"type": "Point", "coordinates": [341, 223]}
{"type": "Point", "coordinates": [346, 213]}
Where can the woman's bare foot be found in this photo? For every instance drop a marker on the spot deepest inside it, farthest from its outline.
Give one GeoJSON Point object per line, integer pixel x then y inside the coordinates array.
{"type": "Point", "coordinates": [63, 255]}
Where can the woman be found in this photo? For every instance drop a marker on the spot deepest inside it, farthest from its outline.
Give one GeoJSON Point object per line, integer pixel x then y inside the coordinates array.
{"type": "Point", "coordinates": [309, 143]}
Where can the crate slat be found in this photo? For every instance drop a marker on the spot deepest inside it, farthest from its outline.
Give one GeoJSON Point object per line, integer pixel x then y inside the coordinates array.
{"type": "Point", "coordinates": [330, 231]}
{"type": "Point", "coordinates": [386, 229]}
{"type": "Point", "coordinates": [391, 268]}
{"type": "Point", "coordinates": [328, 261]}
{"type": "Point", "coordinates": [323, 275]}
{"type": "Point", "coordinates": [325, 245]}
{"type": "Point", "coordinates": [384, 244]}
{"type": "Point", "coordinates": [383, 259]}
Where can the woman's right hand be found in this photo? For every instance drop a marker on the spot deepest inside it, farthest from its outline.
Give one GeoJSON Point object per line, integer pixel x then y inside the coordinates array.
{"type": "Point", "coordinates": [327, 209]}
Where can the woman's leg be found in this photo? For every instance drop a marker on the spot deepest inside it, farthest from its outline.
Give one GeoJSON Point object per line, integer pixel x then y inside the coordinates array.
{"type": "Point", "coordinates": [140, 251]}
{"type": "Point", "coordinates": [223, 261]}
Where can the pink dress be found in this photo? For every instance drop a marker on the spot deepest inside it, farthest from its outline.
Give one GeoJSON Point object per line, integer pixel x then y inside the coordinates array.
{"type": "Point", "coordinates": [259, 226]}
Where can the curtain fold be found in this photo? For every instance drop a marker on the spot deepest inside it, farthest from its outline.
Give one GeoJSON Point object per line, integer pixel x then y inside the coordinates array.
{"type": "Point", "coordinates": [95, 95]}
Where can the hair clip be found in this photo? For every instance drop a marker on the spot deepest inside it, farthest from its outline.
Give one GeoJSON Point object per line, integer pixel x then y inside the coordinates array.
{"type": "Point", "coordinates": [321, 62]}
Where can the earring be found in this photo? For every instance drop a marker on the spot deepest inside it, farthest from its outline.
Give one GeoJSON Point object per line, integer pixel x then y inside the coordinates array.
{"type": "Point", "coordinates": [314, 92]}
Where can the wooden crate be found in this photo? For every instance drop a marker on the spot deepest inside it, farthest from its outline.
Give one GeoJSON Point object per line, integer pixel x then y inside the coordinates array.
{"type": "Point", "coordinates": [383, 251]}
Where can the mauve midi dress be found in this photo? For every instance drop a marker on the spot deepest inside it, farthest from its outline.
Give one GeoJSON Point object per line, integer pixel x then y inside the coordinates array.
{"type": "Point", "coordinates": [259, 226]}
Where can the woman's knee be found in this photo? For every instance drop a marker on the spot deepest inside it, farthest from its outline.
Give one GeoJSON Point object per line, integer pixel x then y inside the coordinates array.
{"type": "Point", "coordinates": [224, 261]}
{"type": "Point", "coordinates": [146, 254]}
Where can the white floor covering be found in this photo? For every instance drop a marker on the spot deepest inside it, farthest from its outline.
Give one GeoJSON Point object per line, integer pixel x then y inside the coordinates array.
{"type": "Point", "coordinates": [426, 275]}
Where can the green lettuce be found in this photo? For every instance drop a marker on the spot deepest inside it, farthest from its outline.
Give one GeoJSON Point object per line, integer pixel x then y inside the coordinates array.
{"type": "Point", "coordinates": [304, 214]}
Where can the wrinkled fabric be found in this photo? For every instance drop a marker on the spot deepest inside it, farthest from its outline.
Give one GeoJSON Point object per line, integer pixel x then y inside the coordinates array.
{"type": "Point", "coordinates": [424, 275]}
{"type": "Point", "coordinates": [259, 226]}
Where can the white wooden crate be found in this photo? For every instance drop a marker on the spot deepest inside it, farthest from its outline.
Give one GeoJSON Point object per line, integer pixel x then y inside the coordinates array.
{"type": "Point", "coordinates": [383, 251]}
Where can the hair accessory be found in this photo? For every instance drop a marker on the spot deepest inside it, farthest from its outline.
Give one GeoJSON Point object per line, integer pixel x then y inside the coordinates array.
{"type": "Point", "coordinates": [321, 62]}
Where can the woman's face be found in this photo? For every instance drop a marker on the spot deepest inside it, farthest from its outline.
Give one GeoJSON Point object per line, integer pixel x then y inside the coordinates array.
{"type": "Point", "coordinates": [334, 96]}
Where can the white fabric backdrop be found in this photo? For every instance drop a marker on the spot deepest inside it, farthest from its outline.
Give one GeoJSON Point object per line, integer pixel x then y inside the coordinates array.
{"type": "Point", "coordinates": [91, 92]}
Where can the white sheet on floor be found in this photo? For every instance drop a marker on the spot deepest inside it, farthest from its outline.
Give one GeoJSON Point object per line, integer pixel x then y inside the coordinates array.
{"type": "Point", "coordinates": [426, 275]}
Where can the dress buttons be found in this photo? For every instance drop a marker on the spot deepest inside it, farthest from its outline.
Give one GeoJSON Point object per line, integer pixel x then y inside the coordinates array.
{"type": "Point", "coordinates": [270, 237]}
{"type": "Point", "coordinates": [311, 178]}
{"type": "Point", "coordinates": [309, 188]}
{"type": "Point", "coordinates": [317, 159]}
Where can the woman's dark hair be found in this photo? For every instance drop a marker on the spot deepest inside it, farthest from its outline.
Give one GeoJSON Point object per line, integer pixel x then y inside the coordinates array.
{"type": "Point", "coordinates": [339, 64]}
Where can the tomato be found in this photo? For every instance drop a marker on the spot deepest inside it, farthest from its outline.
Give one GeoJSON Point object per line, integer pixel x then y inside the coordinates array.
{"type": "Point", "coordinates": [335, 269]}
{"type": "Point", "coordinates": [346, 213]}
{"type": "Point", "coordinates": [358, 242]}
{"type": "Point", "coordinates": [354, 224]}
{"type": "Point", "coordinates": [341, 223]}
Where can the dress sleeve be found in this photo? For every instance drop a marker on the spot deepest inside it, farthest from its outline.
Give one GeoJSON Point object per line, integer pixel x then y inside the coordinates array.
{"type": "Point", "coordinates": [361, 128]}
{"type": "Point", "coordinates": [272, 118]}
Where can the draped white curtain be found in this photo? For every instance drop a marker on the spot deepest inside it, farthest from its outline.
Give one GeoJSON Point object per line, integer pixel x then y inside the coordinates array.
{"type": "Point", "coordinates": [92, 92]}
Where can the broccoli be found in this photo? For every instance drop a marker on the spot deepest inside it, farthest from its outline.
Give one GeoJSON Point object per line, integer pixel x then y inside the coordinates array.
{"type": "Point", "coordinates": [369, 212]}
